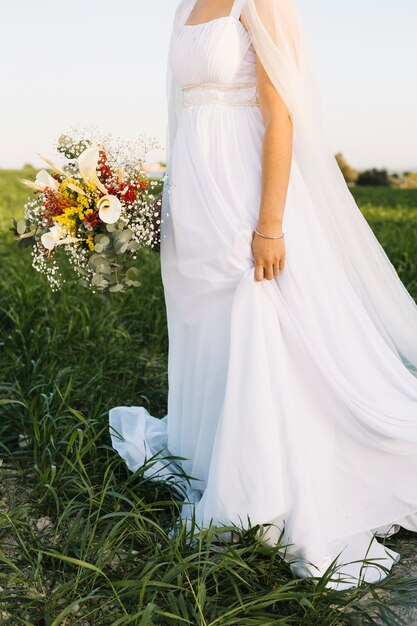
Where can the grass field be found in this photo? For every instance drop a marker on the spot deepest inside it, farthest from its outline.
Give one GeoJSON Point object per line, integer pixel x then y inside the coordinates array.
{"type": "Point", "coordinates": [83, 541]}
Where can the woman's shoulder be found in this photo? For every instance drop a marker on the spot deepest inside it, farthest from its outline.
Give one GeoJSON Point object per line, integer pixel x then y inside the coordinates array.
{"type": "Point", "coordinates": [180, 11]}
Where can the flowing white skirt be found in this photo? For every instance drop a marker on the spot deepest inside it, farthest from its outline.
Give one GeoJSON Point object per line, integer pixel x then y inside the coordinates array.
{"type": "Point", "coordinates": [285, 400]}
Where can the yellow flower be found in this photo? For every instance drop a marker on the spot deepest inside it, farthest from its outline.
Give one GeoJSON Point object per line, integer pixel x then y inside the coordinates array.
{"type": "Point", "coordinates": [68, 219]}
{"type": "Point", "coordinates": [66, 191]}
{"type": "Point", "coordinates": [75, 192]}
{"type": "Point", "coordinates": [90, 242]}
{"type": "Point", "coordinates": [83, 202]}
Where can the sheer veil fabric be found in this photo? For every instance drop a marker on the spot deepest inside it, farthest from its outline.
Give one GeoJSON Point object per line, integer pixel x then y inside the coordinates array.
{"type": "Point", "coordinates": [286, 54]}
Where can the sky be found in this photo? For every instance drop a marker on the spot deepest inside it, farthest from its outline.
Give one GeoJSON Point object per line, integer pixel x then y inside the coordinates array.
{"type": "Point", "coordinates": [102, 63]}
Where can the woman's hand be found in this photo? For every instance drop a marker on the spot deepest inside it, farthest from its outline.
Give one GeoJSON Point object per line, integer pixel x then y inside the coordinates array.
{"type": "Point", "coordinates": [268, 255]}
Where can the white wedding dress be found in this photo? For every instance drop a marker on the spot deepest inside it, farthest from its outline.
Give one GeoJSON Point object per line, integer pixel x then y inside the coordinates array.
{"type": "Point", "coordinates": [285, 401]}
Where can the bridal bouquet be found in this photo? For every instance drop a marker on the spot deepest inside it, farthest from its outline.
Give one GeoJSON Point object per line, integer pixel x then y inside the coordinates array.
{"type": "Point", "coordinates": [97, 210]}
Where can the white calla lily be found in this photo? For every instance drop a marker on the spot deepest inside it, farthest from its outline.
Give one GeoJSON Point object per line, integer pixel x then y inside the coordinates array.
{"type": "Point", "coordinates": [51, 238]}
{"type": "Point", "coordinates": [44, 180]}
{"type": "Point", "coordinates": [87, 164]}
{"type": "Point", "coordinates": [109, 208]}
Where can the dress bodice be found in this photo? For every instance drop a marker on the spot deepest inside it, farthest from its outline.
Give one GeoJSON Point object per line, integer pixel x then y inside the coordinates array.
{"type": "Point", "coordinates": [217, 51]}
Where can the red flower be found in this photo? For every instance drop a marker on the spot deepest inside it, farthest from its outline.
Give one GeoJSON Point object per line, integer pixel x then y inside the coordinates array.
{"type": "Point", "coordinates": [92, 220]}
{"type": "Point", "coordinates": [143, 184]}
{"type": "Point", "coordinates": [128, 193]}
{"type": "Point", "coordinates": [54, 204]}
{"type": "Point", "coordinates": [104, 170]}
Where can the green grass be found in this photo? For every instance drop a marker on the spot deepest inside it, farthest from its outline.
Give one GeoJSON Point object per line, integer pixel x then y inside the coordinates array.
{"type": "Point", "coordinates": [387, 197]}
{"type": "Point", "coordinates": [84, 541]}
{"type": "Point", "coordinates": [392, 214]}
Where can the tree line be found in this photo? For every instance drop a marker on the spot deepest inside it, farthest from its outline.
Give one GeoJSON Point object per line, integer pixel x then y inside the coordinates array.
{"type": "Point", "coordinates": [375, 177]}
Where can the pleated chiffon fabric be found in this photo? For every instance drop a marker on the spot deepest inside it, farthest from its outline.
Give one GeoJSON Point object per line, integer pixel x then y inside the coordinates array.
{"type": "Point", "coordinates": [288, 400]}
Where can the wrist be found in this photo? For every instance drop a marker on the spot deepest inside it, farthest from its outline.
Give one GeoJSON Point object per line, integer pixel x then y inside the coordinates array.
{"type": "Point", "coordinates": [264, 236]}
{"type": "Point", "coordinates": [269, 228]}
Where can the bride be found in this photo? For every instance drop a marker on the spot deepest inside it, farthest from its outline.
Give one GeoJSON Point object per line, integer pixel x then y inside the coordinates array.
{"type": "Point", "coordinates": [292, 362]}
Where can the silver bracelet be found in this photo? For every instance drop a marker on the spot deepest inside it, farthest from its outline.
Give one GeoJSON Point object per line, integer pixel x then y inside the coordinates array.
{"type": "Point", "coordinates": [266, 237]}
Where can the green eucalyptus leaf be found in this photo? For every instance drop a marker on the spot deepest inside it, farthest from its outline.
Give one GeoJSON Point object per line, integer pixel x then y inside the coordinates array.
{"type": "Point", "coordinates": [21, 227]}
{"type": "Point", "coordinates": [133, 245]}
{"type": "Point", "coordinates": [118, 246]}
{"type": "Point", "coordinates": [111, 278]}
{"type": "Point", "coordinates": [94, 259]}
{"type": "Point", "coordinates": [81, 270]}
{"type": "Point", "coordinates": [115, 288]}
{"type": "Point", "coordinates": [103, 240]}
{"type": "Point", "coordinates": [125, 235]}
{"type": "Point", "coordinates": [132, 273]}
{"type": "Point", "coordinates": [103, 268]}
{"type": "Point", "coordinates": [98, 248]}
{"type": "Point", "coordinates": [108, 253]}
{"type": "Point", "coordinates": [98, 281]}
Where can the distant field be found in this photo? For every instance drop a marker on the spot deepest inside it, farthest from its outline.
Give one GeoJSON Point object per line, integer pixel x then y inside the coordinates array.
{"type": "Point", "coordinates": [12, 194]}
{"type": "Point", "coordinates": [81, 540]}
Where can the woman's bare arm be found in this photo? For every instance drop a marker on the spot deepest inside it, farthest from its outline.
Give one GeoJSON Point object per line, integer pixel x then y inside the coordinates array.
{"type": "Point", "coordinates": [276, 153]}
{"type": "Point", "coordinates": [269, 255]}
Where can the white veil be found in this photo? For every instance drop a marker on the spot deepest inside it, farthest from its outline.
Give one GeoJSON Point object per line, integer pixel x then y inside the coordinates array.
{"type": "Point", "coordinates": [283, 50]}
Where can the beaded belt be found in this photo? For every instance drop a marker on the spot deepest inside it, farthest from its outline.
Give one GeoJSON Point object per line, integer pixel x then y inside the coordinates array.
{"type": "Point", "coordinates": [243, 94]}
